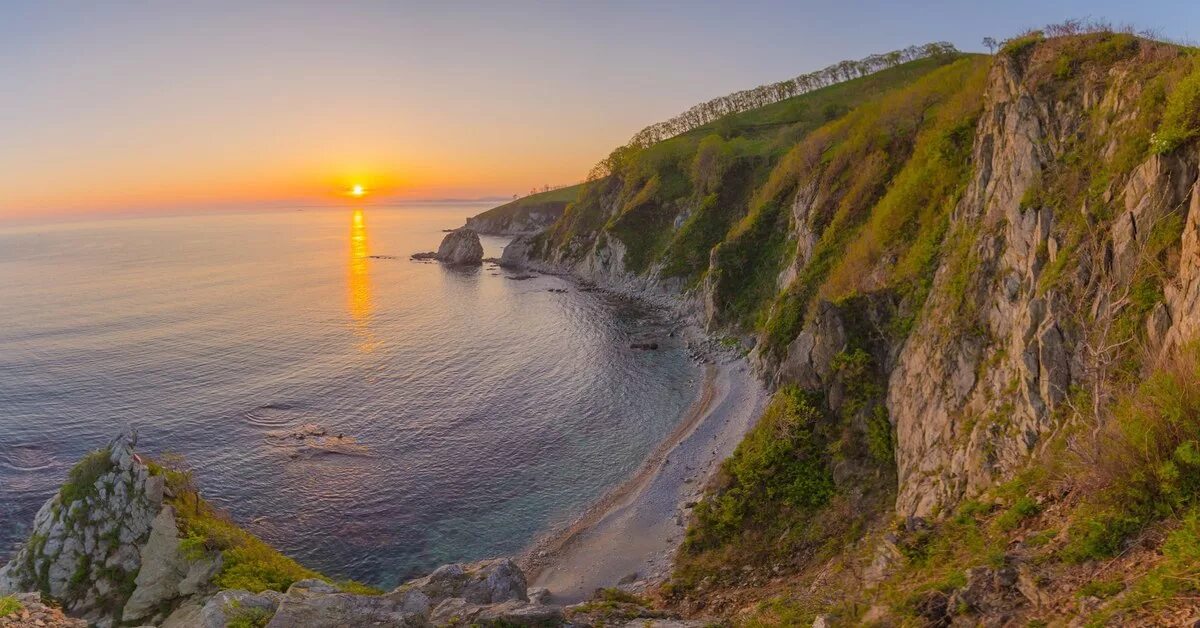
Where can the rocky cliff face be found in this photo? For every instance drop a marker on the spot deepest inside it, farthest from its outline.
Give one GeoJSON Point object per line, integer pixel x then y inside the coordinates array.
{"type": "Point", "coordinates": [531, 220]}
{"type": "Point", "coordinates": [972, 399]}
{"type": "Point", "coordinates": [106, 547]}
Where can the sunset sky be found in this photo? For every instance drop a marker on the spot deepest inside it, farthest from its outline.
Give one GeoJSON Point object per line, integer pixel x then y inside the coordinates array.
{"type": "Point", "coordinates": [154, 106]}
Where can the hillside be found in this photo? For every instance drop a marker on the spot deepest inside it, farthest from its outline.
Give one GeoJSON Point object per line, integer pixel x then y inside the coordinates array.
{"type": "Point", "coordinates": [973, 284]}
{"type": "Point", "coordinates": [527, 214]}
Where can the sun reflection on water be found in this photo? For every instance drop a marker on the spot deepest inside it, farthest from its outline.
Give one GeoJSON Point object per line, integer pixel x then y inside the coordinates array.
{"type": "Point", "coordinates": [358, 282]}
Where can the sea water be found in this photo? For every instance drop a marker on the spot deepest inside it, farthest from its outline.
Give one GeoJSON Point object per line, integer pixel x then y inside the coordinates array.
{"type": "Point", "coordinates": [476, 409]}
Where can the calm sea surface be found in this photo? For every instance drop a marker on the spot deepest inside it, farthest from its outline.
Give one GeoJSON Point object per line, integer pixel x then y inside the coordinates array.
{"type": "Point", "coordinates": [488, 409]}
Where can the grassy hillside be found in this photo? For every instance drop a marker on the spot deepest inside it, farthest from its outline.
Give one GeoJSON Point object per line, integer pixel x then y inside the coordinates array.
{"type": "Point", "coordinates": [670, 203]}
{"type": "Point", "coordinates": [553, 201]}
{"type": "Point", "coordinates": [1102, 522]}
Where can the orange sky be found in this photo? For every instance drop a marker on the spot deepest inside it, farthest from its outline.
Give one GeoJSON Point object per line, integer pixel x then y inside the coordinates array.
{"type": "Point", "coordinates": [130, 106]}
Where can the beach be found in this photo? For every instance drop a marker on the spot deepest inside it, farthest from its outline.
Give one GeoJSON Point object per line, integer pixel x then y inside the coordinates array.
{"type": "Point", "coordinates": [630, 535]}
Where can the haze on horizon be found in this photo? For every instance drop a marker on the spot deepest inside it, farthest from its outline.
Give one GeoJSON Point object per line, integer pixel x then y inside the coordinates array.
{"type": "Point", "coordinates": [130, 106]}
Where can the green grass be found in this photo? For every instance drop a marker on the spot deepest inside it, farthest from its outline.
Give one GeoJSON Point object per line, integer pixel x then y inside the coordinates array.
{"type": "Point", "coordinates": [554, 199]}
{"type": "Point", "coordinates": [249, 618]}
{"type": "Point", "coordinates": [1181, 119]}
{"type": "Point", "coordinates": [730, 158]}
{"type": "Point", "coordinates": [247, 562]}
{"type": "Point", "coordinates": [1024, 508]}
{"type": "Point", "coordinates": [82, 478]}
{"type": "Point", "coordinates": [9, 605]}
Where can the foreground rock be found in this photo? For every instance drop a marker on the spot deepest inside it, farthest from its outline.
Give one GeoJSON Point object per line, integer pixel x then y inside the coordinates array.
{"type": "Point", "coordinates": [487, 593]}
{"type": "Point", "coordinates": [33, 612]}
{"type": "Point", "coordinates": [460, 247]}
{"type": "Point", "coordinates": [106, 546]}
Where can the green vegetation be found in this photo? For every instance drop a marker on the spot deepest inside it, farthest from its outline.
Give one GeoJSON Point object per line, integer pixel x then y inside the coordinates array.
{"type": "Point", "coordinates": [1024, 508]}
{"type": "Point", "coordinates": [1181, 119]}
{"type": "Point", "coordinates": [777, 468]}
{"type": "Point", "coordinates": [710, 175]}
{"type": "Point", "coordinates": [247, 562]}
{"type": "Point", "coordinates": [775, 480]}
{"type": "Point", "coordinates": [1149, 460]}
{"type": "Point", "coordinates": [552, 200]}
{"type": "Point", "coordinates": [248, 617]}
{"type": "Point", "coordinates": [897, 166]}
{"type": "Point", "coordinates": [82, 478]}
{"type": "Point", "coordinates": [9, 605]}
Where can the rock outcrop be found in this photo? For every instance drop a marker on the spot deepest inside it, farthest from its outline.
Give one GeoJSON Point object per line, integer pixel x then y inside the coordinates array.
{"type": "Point", "coordinates": [105, 546]}
{"type": "Point", "coordinates": [32, 611]}
{"type": "Point", "coordinates": [530, 220]}
{"type": "Point", "coordinates": [487, 593]}
{"type": "Point", "coordinates": [460, 247]}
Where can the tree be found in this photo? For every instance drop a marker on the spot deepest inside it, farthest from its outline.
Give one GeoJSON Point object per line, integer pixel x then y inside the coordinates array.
{"type": "Point", "coordinates": [990, 43]}
{"type": "Point", "coordinates": [747, 99]}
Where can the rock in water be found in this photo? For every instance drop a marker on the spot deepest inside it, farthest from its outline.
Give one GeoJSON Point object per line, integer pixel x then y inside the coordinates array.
{"type": "Point", "coordinates": [461, 247]}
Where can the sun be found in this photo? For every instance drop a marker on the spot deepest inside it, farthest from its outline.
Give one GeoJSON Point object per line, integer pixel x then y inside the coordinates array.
{"type": "Point", "coordinates": [357, 191]}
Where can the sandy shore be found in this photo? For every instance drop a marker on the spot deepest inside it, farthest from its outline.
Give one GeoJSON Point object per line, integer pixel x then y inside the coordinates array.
{"type": "Point", "coordinates": [630, 535]}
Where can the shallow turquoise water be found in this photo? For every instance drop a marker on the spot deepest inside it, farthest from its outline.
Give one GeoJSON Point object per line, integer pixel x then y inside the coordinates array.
{"type": "Point", "coordinates": [490, 408]}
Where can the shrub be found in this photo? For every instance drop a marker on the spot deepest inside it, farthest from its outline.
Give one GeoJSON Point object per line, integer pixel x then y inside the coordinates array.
{"type": "Point", "coordinates": [879, 436]}
{"type": "Point", "coordinates": [9, 605]}
{"type": "Point", "coordinates": [249, 617]}
{"type": "Point", "coordinates": [1023, 509]}
{"type": "Point", "coordinates": [775, 474]}
{"type": "Point", "coordinates": [1181, 118]}
{"type": "Point", "coordinates": [1101, 588]}
{"type": "Point", "coordinates": [82, 478]}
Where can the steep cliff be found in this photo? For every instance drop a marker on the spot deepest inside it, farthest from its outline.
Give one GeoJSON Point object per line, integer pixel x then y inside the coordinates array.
{"type": "Point", "coordinates": [956, 282]}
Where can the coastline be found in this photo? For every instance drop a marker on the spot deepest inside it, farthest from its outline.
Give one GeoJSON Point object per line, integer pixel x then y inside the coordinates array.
{"type": "Point", "coordinates": [629, 536]}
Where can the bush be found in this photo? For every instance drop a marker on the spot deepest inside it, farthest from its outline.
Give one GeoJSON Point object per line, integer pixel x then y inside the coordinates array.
{"type": "Point", "coordinates": [9, 605]}
{"type": "Point", "coordinates": [1181, 119]}
{"type": "Point", "coordinates": [774, 475]}
{"type": "Point", "coordinates": [82, 478]}
{"type": "Point", "coordinates": [1023, 509]}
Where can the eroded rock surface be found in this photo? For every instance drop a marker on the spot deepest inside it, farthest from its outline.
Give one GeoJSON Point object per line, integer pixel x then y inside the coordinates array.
{"type": "Point", "coordinates": [461, 247]}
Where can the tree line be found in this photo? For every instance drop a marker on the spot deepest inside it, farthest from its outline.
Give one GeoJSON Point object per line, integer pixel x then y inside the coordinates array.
{"type": "Point", "coordinates": [747, 99]}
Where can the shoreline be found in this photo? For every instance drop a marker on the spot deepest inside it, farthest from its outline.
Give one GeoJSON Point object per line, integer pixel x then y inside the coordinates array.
{"type": "Point", "coordinates": [628, 537]}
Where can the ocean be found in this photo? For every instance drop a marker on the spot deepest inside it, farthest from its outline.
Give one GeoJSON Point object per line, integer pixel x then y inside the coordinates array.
{"type": "Point", "coordinates": [448, 414]}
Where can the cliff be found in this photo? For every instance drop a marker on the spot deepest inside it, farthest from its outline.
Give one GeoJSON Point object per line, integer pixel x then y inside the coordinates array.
{"type": "Point", "coordinates": [529, 214]}
{"type": "Point", "coordinates": [956, 278]}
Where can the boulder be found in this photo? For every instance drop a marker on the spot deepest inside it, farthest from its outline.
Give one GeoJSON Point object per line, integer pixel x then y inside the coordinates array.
{"type": "Point", "coordinates": [236, 604]}
{"type": "Point", "coordinates": [461, 247]}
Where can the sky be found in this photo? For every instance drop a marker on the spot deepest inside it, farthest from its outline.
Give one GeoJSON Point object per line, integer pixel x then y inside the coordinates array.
{"type": "Point", "coordinates": [151, 106]}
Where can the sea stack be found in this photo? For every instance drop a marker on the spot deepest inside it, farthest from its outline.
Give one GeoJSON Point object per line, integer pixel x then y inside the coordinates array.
{"type": "Point", "coordinates": [461, 247]}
